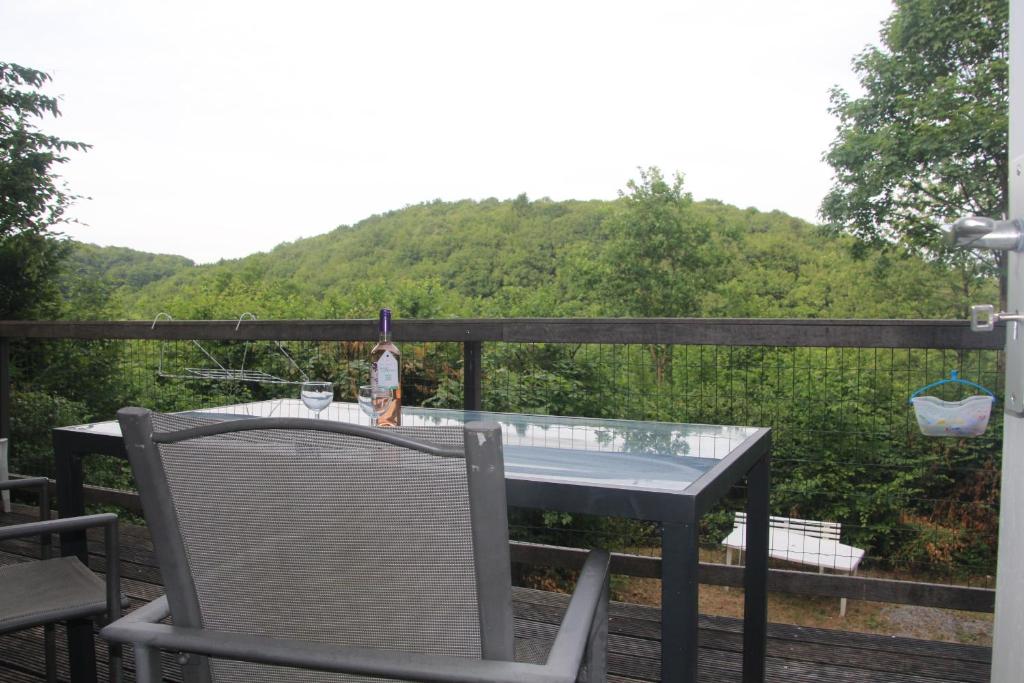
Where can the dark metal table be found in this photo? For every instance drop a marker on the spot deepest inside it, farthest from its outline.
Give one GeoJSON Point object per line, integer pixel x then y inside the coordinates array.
{"type": "Point", "coordinates": [668, 473]}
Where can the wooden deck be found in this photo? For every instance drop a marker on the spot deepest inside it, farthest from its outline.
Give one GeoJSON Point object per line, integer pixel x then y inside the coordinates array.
{"type": "Point", "coordinates": [795, 654]}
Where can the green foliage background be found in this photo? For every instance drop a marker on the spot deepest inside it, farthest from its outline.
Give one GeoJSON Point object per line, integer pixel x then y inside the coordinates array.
{"type": "Point", "coordinates": [844, 447]}
{"type": "Point", "coordinates": [522, 258]}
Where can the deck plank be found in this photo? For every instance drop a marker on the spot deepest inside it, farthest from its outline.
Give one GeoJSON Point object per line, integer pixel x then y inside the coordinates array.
{"type": "Point", "coordinates": [795, 654]}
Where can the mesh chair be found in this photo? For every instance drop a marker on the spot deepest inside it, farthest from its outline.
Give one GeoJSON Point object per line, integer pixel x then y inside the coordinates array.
{"type": "Point", "coordinates": [347, 552]}
{"type": "Point", "coordinates": [59, 588]}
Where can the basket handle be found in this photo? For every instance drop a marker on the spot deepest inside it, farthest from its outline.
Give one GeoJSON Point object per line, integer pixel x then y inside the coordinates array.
{"type": "Point", "coordinates": [953, 379]}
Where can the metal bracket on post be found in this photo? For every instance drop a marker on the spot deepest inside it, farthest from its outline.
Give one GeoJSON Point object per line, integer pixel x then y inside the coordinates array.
{"type": "Point", "coordinates": [984, 319]}
{"type": "Point", "coordinates": [976, 232]}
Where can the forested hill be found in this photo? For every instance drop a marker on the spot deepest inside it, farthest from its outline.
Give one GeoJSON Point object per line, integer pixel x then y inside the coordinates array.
{"type": "Point", "coordinates": [93, 280]}
{"type": "Point", "coordinates": [636, 256]}
{"type": "Point", "coordinates": [122, 267]}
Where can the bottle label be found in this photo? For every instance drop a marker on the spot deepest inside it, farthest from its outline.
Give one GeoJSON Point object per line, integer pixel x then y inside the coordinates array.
{"type": "Point", "coordinates": [387, 371]}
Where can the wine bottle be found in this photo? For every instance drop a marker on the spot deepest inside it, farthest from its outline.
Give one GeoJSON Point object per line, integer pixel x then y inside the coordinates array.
{"type": "Point", "coordinates": [386, 370]}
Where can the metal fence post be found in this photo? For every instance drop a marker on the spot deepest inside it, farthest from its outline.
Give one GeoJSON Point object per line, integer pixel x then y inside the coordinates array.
{"type": "Point", "coordinates": [472, 375]}
{"type": "Point", "coordinates": [5, 388]}
{"type": "Point", "coordinates": [5, 418]}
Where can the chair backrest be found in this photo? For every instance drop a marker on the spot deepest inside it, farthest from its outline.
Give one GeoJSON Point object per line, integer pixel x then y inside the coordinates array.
{"type": "Point", "coordinates": [321, 531]}
{"type": "Point", "coordinates": [805, 527]}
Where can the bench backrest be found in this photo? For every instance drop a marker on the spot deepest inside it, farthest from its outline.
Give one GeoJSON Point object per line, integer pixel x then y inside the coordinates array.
{"type": "Point", "coordinates": [806, 527]}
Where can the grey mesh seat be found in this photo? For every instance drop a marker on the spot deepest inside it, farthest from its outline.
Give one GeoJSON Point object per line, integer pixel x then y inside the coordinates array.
{"type": "Point", "coordinates": [346, 553]}
{"type": "Point", "coordinates": [58, 588]}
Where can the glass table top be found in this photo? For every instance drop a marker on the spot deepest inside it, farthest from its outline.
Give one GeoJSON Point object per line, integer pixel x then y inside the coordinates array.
{"type": "Point", "coordinates": [620, 454]}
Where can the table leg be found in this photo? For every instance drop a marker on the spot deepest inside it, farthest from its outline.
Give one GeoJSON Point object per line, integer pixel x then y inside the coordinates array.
{"type": "Point", "coordinates": [755, 576]}
{"type": "Point", "coordinates": [71, 503]}
{"type": "Point", "coordinates": [70, 496]}
{"type": "Point", "coordinates": [680, 561]}
{"type": "Point", "coordinates": [81, 651]}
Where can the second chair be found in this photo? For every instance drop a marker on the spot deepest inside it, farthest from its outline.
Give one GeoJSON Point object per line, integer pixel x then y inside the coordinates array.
{"type": "Point", "coordinates": [58, 588]}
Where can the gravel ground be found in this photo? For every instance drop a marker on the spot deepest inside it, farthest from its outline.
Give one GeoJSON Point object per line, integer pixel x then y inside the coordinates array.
{"type": "Point", "coordinates": [938, 624]}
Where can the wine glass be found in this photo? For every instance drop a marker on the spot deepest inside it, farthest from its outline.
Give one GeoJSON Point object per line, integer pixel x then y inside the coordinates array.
{"type": "Point", "coordinates": [375, 401]}
{"type": "Point", "coordinates": [317, 396]}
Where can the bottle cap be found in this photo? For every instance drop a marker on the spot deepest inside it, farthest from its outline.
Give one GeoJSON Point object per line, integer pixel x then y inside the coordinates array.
{"type": "Point", "coordinates": [385, 320]}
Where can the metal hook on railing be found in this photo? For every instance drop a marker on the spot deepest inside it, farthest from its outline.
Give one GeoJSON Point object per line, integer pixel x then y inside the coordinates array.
{"type": "Point", "coordinates": [160, 365]}
{"type": "Point", "coordinates": [245, 352]}
{"type": "Point", "coordinates": [252, 316]}
{"type": "Point", "coordinates": [161, 313]}
{"type": "Point", "coordinates": [280, 346]}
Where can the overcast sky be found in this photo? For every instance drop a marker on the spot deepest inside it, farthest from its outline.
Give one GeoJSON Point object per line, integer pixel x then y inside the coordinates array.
{"type": "Point", "coordinates": [224, 128]}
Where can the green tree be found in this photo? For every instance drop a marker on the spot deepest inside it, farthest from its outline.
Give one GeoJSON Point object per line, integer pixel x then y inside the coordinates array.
{"type": "Point", "coordinates": [927, 141]}
{"type": "Point", "coordinates": [661, 257]}
{"type": "Point", "coordinates": [32, 197]}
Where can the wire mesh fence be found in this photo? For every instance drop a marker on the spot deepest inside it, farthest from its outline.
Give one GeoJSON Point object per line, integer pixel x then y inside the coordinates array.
{"type": "Point", "coordinates": [847, 448]}
{"type": "Point", "coordinates": [846, 444]}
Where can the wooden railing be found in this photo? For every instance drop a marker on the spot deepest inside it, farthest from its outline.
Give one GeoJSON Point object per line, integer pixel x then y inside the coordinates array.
{"type": "Point", "coordinates": [474, 334]}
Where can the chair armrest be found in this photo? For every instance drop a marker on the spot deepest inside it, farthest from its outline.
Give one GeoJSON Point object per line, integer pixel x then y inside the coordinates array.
{"type": "Point", "coordinates": [562, 666]}
{"type": "Point", "coordinates": [55, 526]}
{"type": "Point", "coordinates": [325, 657]}
{"type": "Point", "coordinates": [150, 613]}
{"type": "Point", "coordinates": [23, 483]}
{"type": "Point", "coordinates": [574, 631]}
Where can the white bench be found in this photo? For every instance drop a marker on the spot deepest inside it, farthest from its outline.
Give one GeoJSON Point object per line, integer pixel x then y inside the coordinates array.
{"type": "Point", "coordinates": [805, 541]}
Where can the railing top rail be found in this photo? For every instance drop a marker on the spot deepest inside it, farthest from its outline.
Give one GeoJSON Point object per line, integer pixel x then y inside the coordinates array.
{"type": "Point", "coordinates": [915, 334]}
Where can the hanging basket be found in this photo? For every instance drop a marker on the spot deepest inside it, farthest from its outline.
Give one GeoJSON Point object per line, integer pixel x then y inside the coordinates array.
{"type": "Point", "coordinates": [968, 417]}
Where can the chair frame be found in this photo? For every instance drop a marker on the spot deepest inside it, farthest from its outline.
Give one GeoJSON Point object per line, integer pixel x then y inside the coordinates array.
{"type": "Point", "coordinates": [44, 528]}
{"type": "Point", "coordinates": [579, 648]}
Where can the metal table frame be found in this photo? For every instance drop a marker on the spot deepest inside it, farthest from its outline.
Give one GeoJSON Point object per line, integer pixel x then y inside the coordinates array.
{"type": "Point", "coordinates": [678, 513]}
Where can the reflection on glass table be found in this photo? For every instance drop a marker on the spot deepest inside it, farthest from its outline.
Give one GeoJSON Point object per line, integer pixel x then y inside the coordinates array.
{"type": "Point", "coordinates": [653, 456]}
